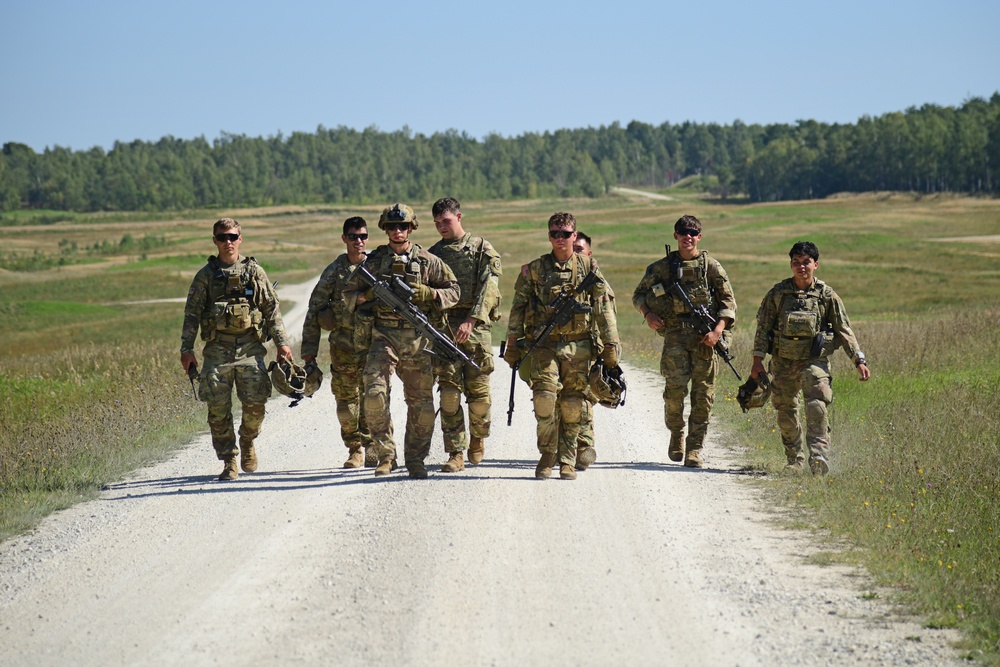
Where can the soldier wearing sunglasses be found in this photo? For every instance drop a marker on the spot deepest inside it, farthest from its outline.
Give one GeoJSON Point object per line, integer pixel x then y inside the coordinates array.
{"type": "Point", "coordinates": [236, 308]}
{"type": "Point", "coordinates": [688, 358]}
{"type": "Point", "coordinates": [350, 338]}
{"type": "Point", "coordinates": [558, 369]}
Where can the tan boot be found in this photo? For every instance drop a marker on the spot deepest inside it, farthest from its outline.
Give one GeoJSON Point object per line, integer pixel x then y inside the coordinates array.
{"type": "Point", "coordinates": [566, 471]}
{"type": "Point", "coordinates": [248, 456]}
{"type": "Point", "coordinates": [356, 458]}
{"type": "Point", "coordinates": [585, 455]}
{"type": "Point", "coordinates": [477, 449]}
{"type": "Point", "coordinates": [455, 463]}
{"type": "Point", "coordinates": [544, 468]}
{"type": "Point", "coordinates": [676, 451]}
{"type": "Point", "coordinates": [693, 459]}
{"type": "Point", "coordinates": [230, 472]}
{"type": "Point", "coordinates": [416, 470]}
{"type": "Point", "coordinates": [385, 466]}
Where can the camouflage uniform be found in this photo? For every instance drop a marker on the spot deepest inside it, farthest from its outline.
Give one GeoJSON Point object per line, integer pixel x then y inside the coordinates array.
{"type": "Point", "coordinates": [560, 366]}
{"type": "Point", "coordinates": [396, 347]}
{"type": "Point", "coordinates": [586, 437]}
{"type": "Point", "coordinates": [350, 340]}
{"type": "Point", "coordinates": [476, 266]}
{"type": "Point", "coordinates": [684, 359]}
{"type": "Point", "coordinates": [237, 310]}
{"type": "Point", "coordinates": [788, 323]}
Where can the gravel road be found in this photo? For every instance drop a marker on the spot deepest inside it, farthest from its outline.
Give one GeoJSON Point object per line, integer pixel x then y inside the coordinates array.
{"type": "Point", "coordinates": [637, 561]}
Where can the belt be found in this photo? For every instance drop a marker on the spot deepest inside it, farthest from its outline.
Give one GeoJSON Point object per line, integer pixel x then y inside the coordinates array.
{"type": "Point", "coordinates": [392, 324]}
{"type": "Point", "coordinates": [568, 338]}
{"type": "Point", "coordinates": [236, 339]}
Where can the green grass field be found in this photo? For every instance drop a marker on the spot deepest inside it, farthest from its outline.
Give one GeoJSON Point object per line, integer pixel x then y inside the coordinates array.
{"type": "Point", "coordinates": [91, 387]}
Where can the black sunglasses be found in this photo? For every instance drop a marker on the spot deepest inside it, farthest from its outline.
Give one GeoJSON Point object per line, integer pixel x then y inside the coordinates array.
{"type": "Point", "coordinates": [396, 226]}
{"type": "Point", "coordinates": [559, 234]}
{"type": "Point", "coordinates": [222, 238]}
{"type": "Point", "coordinates": [356, 237]}
{"type": "Point", "coordinates": [688, 232]}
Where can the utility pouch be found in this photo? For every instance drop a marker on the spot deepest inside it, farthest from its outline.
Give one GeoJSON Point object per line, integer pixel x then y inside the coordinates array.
{"type": "Point", "coordinates": [326, 319]}
{"type": "Point", "coordinates": [238, 316]}
{"type": "Point", "coordinates": [800, 324]}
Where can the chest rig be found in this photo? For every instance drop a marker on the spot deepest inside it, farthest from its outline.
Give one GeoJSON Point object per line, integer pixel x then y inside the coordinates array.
{"type": "Point", "coordinates": [801, 330]}
{"type": "Point", "coordinates": [408, 267]}
{"type": "Point", "coordinates": [552, 280]}
{"type": "Point", "coordinates": [233, 309]}
{"type": "Point", "coordinates": [692, 275]}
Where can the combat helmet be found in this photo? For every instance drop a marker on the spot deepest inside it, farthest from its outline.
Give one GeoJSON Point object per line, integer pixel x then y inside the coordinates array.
{"type": "Point", "coordinates": [289, 379]}
{"type": "Point", "coordinates": [608, 384]}
{"type": "Point", "coordinates": [754, 392]}
{"type": "Point", "coordinates": [314, 378]}
{"type": "Point", "coordinates": [397, 213]}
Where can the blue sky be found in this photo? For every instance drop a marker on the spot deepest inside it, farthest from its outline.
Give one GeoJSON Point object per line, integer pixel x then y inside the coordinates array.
{"type": "Point", "coordinates": [80, 74]}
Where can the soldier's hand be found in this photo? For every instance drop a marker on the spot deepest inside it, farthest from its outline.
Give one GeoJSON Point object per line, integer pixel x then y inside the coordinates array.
{"type": "Point", "coordinates": [308, 358]}
{"type": "Point", "coordinates": [711, 338]}
{"type": "Point", "coordinates": [653, 321]}
{"type": "Point", "coordinates": [284, 353]}
{"type": "Point", "coordinates": [610, 355]}
{"type": "Point", "coordinates": [187, 358]}
{"type": "Point", "coordinates": [758, 368]}
{"type": "Point", "coordinates": [512, 354]}
{"type": "Point", "coordinates": [864, 372]}
{"type": "Point", "coordinates": [465, 330]}
{"type": "Point", "coordinates": [423, 293]}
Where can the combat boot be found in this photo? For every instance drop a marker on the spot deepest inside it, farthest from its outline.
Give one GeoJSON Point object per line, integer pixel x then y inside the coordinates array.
{"type": "Point", "coordinates": [566, 471]}
{"type": "Point", "coordinates": [248, 455]}
{"type": "Point", "coordinates": [455, 463]}
{"type": "Point", "coordinates": [693, 459]}
{"type": "Point", "coordinates": [416, 469]}
{"type": "Point", "coordinates": [818, 467]}
{"type": "Point", "coordinates": [230, 472]}
{"type": "Point", "coordinates": [585, 455]}
{"type": "Point", "coordinates": [356, 458]}
{"type": "Point", "coordinates": [371, 457]}
{"type": "Point", "coordinates": [544, 468]}
{"type": "Point", "coordinates": [676, 451]}
{"type": "Point", "coordinates": [477, 449]}
{"type": "Point", "coordinates": [795, 466]}
{"type": "Point", "coordinates": [385, 466]}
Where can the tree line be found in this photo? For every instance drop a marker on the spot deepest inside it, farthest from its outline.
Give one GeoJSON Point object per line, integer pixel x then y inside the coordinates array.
{"type": "Point", "coordinates": [927, 149]}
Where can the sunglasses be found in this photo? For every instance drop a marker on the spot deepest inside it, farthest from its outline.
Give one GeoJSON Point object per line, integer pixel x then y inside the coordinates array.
{"type": "Point", "coordinates": [396, 226]}
{"type": "Point", "coordinates": [222, 238]}
{"type": "Point", "coordinates": [688, 232]}
{"type": "Point", "coordinates": [357, 237]}
{"type": "Point", "coordinates": [559, 234]}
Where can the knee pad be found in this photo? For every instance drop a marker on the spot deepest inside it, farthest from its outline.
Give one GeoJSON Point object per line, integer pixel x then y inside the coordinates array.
{"type": "Point", "coordinates": [451, 400]}
{"type": "Point", "coordinates": [571, 409]}
{"type": "Point", "coordinates": [375, 402]}
{"type": "Point", "coordinates": [545, 403]}
{"type": "Point", "coordinates": [480, 408]}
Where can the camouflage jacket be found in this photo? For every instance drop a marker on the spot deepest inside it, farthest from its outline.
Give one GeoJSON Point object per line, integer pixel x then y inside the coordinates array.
{"type": "Point", "coordinates": [417, 266]}
{"type": "Point", "coordinates": [789, 319]}
{"type": "Point", "coordinates": [233, 300]}
{"type": "Point", "coordinates": [476, 266]}
{"type": "Point", "coordinates": [541, 281]}
{"type": "Point", "coordinates": [703, 279]}
{"type": "Point", "coordinates": [329, 291]}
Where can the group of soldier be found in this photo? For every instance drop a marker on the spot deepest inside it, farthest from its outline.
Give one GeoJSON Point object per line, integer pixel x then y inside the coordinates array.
{"type": "Point", "coordinates": [562, 339]}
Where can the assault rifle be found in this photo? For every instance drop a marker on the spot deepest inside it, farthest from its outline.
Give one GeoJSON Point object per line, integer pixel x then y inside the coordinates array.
{"type": "Point", "coordinates": [704, 322]}
{"type": "Point", "coordinates": [192, 376]}
{"type": "Point", "coordinates": [397, 295]}
{"type": "Point", "coordinates": [564, 306]}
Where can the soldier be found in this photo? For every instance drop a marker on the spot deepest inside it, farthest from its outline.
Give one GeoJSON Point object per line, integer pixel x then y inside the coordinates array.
{"type": "Point", "coordinates": [801, 322]}
{"type": "Point", "coordinates": [560, 365]}
{"type": "Point", "coordinates": [476, 266]}
{"type": "Point", "coordinates": [688, 357]}
{"type": "Point", "coordinates": [350, 338]}
{"type": "Point", "coordinates": [396, 346]}
{"type": "Point", "coordinates": [237, 309]}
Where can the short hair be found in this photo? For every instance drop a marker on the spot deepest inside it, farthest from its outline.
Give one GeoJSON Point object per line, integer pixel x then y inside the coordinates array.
{"type": "Point", "coordinates": [580, 236]}
{"type": "Point", "coordinates": [687, 222]}
{"type": "Point", "coordinates": [357, 222]}
{"type": "Point", "coordinates": [804, 248]}
{"type": "Point", "coordinates": [223, 224]}
{"type": "Point", "coordinates": [446, 205]}
{"type": "Point", "coordinates": [562, 219]}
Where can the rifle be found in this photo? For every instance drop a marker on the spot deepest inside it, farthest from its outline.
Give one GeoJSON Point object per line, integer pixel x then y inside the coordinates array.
{"type": "Point", "coordinates": [564, 306]}
{"type": "Point", "coordinates": [703, 323]}
{"type": "Point", "coordinates": [192, 376]}
{"type": "Point", "coordinates": [397, 295]}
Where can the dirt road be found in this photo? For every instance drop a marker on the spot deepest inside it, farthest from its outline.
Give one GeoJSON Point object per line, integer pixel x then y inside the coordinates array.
{"type": "Point", "coordinates": [639, 561]}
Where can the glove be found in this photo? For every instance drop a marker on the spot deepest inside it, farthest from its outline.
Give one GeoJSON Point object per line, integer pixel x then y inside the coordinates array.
{"type": "Point", "coordinates": [512, 355]}
{"type": "Point", "coordinates": [609, 355]}
{"type": "Point", "coordinates": [423, 294]}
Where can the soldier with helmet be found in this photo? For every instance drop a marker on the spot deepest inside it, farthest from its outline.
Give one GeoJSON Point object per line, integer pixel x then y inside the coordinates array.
{"type": "Point", "coordinates": [688, 357]}
{"type": "Point", "coordinates": [476, 266]}
{"type": "Point", "coordinates": [236, 308]}
{"type": "Point", "coordinates": [801, 322]}
{"type": "Point", "coordinates": [396, 347]}
{"type": "Point", "coordinates": [350, 339]}
{"type": "Point", "coordinates": [560, 365]}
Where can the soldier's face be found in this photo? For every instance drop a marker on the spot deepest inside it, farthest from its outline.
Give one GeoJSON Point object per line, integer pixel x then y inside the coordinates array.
{"type": "Point", "coordinates": [398, 232]}
{"type": "Point", "coordinates": [356, 238]}
{"type": "Point", "coordinates": [563, 239]}
{"type": "Point", "coordinates": [687, 239]}
{"type": "Point", "coordinates": [803, 268]}
{"type": "Point", "coordinates": [449, 225]}
{"type": "Point", "coordinates": [580, 247]}
{"type": "Point", "coordinates": [226, 243]}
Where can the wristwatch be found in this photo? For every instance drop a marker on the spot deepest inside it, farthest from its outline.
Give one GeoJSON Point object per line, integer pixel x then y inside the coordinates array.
{"type": "Point", "coordinates": [859, 359]}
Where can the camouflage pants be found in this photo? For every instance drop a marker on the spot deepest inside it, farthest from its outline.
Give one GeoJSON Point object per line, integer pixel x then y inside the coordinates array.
{"type": "Point", "coordinates": [457, 379]}
{"type": "Point", "coordinates": [812, 378]}
{"type": "Point", "coordinates": [559, 380]}
{"type": "Point", "coordinates": [399, 351]}
{"type": "Point", "coordinates": [686, 361]}
{"type": "Point", "coordinates": [346, 381]}
{"type": "Point", "coordinates": [224, 366]}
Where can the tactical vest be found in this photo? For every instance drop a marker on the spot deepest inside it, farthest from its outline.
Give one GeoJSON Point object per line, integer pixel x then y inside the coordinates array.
{"type": "Point", "coordinates": [410, 267]}
{"type": "Point", "coordinates": [335, 315]}
{"type": "Point", "coordinates": [467, 264]}
{"type": "Point", "coordinates": [550, 281]}
{"type": "Point", "coordinates": [692, 275]}
{"type": "Point", "coordinates": [801, 331]}
{"type": "Point", "coordinates": [233, 305]}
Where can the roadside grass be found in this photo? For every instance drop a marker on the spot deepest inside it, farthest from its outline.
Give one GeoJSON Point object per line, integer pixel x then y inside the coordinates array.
{"type": "Point", "coordinates": [91, 387]}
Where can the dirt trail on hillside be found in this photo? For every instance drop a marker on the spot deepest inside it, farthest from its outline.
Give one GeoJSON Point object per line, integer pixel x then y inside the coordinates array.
{"type": "Point", "coordinates": [639, 561]}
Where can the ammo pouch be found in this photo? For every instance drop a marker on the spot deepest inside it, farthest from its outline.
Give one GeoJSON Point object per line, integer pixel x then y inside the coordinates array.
{"type": "Point", "coordinates": [326, 319]}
